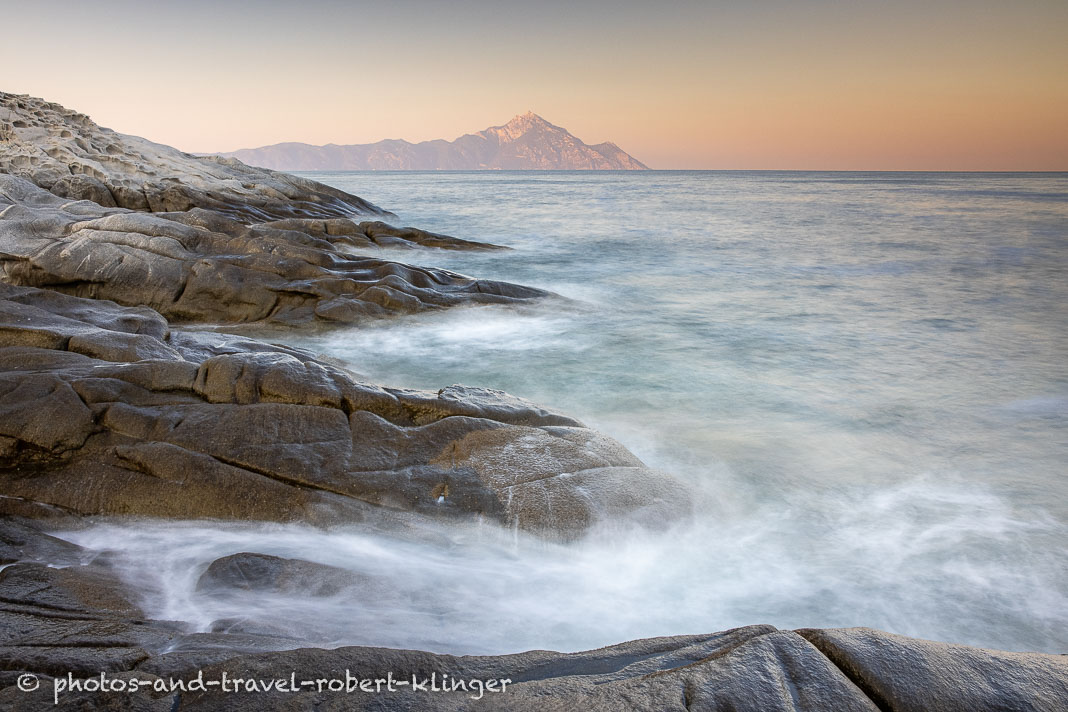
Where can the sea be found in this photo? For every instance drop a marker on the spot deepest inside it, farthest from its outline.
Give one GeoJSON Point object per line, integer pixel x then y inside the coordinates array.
{"type": "Point", "coordinates": [863, 377]}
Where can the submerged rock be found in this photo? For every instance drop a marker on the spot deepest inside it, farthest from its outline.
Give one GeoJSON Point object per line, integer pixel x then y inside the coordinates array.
{"type": "Point", "coordinates": [263, 572]}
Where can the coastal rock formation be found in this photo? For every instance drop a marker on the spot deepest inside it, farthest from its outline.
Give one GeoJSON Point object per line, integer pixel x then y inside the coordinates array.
{"type": "Point", "coordinates": [108, 409]}
{"type": "Point", "coordinates": [80, 621]}
{"type": "Point", "coordinates": [68, 154]}
{"type": "Point", "coordinates": [201, 266]}
{"type": "Point", "coordinates": [527, 142]}
{"type": "Point", "coordinates": [105, 410]}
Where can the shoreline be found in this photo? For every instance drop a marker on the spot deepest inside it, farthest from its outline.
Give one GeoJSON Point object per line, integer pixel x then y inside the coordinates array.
{"type": "Point", "coordinates": [109, 411]}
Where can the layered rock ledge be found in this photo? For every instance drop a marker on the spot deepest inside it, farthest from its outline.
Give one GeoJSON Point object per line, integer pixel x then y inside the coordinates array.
{"type": "Point", "coordinates": [68, 154]}
{"type": "Point", "coordinates": [106, 410]}
{"type": "Point", "coordinates": [201, 266]}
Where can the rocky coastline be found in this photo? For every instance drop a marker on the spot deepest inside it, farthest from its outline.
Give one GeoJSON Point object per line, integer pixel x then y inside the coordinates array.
{"type": "Point", "coordinates": [115, 402]}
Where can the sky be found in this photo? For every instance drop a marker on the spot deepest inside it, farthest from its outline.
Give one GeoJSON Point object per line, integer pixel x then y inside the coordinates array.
{"type": "Point", "coordinates": [679, 84]}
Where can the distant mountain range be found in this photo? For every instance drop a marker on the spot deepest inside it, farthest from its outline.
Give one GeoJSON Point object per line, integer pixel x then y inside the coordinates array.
{"type": "Point", "coordinates": [526, 142]}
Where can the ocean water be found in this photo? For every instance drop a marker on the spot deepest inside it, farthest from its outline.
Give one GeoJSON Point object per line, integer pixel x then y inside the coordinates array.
{"type": "Point", "coordinates": [863, 376]}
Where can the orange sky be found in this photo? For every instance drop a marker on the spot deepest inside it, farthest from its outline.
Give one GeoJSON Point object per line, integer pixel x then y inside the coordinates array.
{"type": "Point", "coordinates": [808, 84]}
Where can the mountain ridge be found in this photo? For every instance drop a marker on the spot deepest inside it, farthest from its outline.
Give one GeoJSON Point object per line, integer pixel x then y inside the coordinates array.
{"type": "Point", "coordinates": [526, 142]}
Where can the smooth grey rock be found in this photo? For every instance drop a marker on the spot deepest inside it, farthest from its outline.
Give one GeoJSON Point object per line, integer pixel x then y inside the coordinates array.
{"type": "Point", "coordinates": [89, 589]}
{"type": "Point", "coordinates": [22, 542]}
{"type": "Point", "coordinates": [909, 675]}
{"type": "Point", "coordinates": [200, 266]}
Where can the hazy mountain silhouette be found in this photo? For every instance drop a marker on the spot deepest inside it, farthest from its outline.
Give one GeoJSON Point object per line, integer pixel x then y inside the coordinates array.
{"type": "Point", "coordinates": [526, 142]}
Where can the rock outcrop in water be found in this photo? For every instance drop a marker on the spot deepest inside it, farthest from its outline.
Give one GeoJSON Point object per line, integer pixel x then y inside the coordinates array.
{"type": "Point", "coordinates": [107, 408]}
{"type": "Point", "coordinates": [201, 266]}
{"type": "Point", "coordinates": [527, 142]}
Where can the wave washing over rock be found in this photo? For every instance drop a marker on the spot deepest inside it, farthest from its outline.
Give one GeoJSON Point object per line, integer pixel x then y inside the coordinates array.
{"type": "Point", "coordinates": [109, 407]}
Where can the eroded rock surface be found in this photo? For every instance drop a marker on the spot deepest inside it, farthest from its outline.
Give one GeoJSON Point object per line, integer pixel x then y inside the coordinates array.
{"type": "Point", "coordinates": [68, 154]}
{"type": "Point", "coordinates": [105, 410]}
{"type": "Point", "coordinates": [200, 266]}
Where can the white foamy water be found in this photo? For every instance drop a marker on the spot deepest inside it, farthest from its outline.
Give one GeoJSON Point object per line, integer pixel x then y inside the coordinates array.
{"type": "Point", "coordinates": [865, 376]}
{"type": "Point", "coordinates": [919, 558]}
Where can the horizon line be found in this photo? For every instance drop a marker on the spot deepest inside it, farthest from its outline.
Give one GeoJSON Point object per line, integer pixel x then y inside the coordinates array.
{"type": "Point", "coordinates": [658, 170]}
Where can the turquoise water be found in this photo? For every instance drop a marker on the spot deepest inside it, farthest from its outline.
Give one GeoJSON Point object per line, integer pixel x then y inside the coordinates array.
{"type": "Point", "coordinates": [786, 336]}
{"type": "Point", "coordinates": [801, 329]}
{"type": "Point", "coordinates": [863, 376]}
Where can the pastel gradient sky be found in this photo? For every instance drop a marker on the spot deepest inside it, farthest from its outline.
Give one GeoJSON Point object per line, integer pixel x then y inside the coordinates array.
{"type": "Point", "coordinates": [804, 84]}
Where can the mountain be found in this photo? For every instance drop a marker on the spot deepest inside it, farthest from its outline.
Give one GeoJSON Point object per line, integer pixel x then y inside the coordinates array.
{"type": "Point", "coordinates": [527, 142]}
